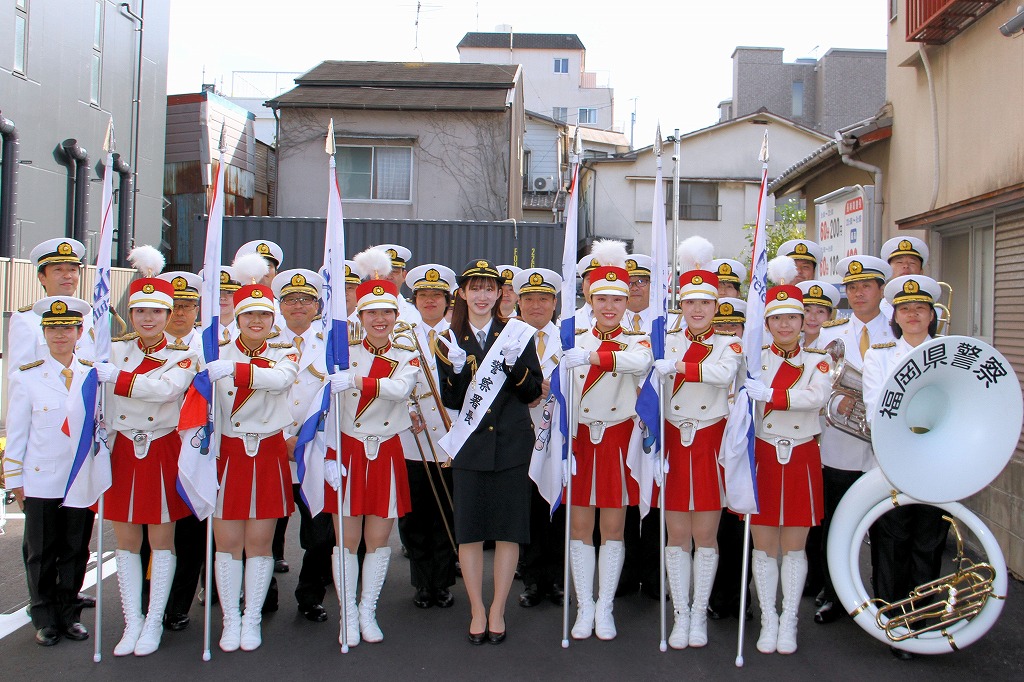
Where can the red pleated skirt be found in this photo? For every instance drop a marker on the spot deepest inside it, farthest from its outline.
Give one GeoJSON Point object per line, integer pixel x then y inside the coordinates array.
{"type": "Point", "coordinates": [377, 487]}
{"type": "Point", "coordinates": [790, 494]}
{"type": "Point", "coordinates": [695, 481]}
{"type": "Point", "coordinates": [602, 476]}
{"type": "Point", "coordinates": [143, 490]}
{"type": "Point", "coordinates": [257, 487]}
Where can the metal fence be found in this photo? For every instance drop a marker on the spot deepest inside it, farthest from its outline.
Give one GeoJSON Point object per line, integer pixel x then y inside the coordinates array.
{"type": "Point", "coordinates": [451, 243]}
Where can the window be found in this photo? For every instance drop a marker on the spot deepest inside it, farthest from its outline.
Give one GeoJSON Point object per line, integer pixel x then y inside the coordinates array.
{"type": "Point", "coordinates": [697, 201]}
{"type": "Point", "coordinates": [375, 173]}
{"type": "Point", "coordinates": [20, 35]}
{"type": "Point", "coordinates": [560, 114]}
{"type": "Point", "coordinates": [894, 9]}
{"type": "Point", "coordinates": [587, 116]}
{"type": "Point", "coordinates": [561, 65]}
{"type": "Point", "coordinates": [968, 265]}
{"type": "Point", "coordinates": [96, 66]}
{"type": "Point", "coordinates": [526, 169]}
{"type": "Point", "coordinates": [798, 99]}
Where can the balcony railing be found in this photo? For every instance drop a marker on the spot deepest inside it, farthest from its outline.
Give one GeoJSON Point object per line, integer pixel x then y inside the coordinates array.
{"type": "Point", "coordinates": [936, 22]}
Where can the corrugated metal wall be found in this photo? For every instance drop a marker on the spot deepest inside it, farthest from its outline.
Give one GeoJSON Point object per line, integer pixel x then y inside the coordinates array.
{"type": "Point", "coordinates": [451, 243]}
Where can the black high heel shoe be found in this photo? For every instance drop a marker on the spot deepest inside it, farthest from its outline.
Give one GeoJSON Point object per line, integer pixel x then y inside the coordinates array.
{"type": "Point", "coordinates": [478, 638]}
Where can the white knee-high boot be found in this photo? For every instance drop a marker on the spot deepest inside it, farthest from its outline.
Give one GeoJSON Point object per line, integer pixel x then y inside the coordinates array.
{"type": "Point", "coordinates": [228, 572]}
{"type": "Point", "coordinates": [129, 580]}
{"type": "Point", "coordinates": [258, 572]}
{"type": "Point", "coordinates": [161, 575]}
{"type": "Point", "coordinates": [677, 565]}
{"type": "Point", "coordinates": [609, 561]}
{"type": "Point", "coordinates": [582, 562]}
{"type": "Point", "coordinates": [351, 628]}
{"type": "Point", "coordinates": [375, 570]}
{"type": "Point", "coordinates": [766, 580]}
{"type": "Point", "coordinates": [705, 565]}
{"type": "Point", "coordinates": [794, 573]}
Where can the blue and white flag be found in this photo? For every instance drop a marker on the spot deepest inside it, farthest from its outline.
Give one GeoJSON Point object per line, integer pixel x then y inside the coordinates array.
{"type": "Point", "coordinates": [738, 441]}
{"type": "Point", "coordinates": [197, 463]}
{"type": "Point", "coordinates": [550, 464]}
{"type": "Point", "coordinates": [90, 470]}
{"type": "Point", "coordinates": [648, 402]}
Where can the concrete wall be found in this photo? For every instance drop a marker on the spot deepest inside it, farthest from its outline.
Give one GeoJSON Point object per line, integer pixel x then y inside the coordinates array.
{"type": "Point", "coordinates": [50, 102]}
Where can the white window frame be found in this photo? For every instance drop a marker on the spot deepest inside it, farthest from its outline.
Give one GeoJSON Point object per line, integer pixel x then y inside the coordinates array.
{"type": "Point", "coordinates": [561, 65]}
{"type": "Point", "coordinates": [591, 116]}
{"type": "Point", "coordinates": [373, 164]}
{"type": "Point", "coordinates": [21, 11]}
{"type": "Point", "coordinates": [96, 58]}
{"type": "Point", "coordinates": [797, 96]}
{"type": "Point", "coordinates": [976, 305]}
{"type": "Point", "coordinates": [564, 118]}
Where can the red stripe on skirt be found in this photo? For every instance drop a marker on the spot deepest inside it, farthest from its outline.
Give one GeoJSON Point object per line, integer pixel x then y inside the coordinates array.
{"type": "Point", "coordinates": [789, 494]}
{"type": "Point", "coordinates": [367, 483]}
{"type": "Point", "coordinates": [143, 490]}
{"type": "Point", "coordinates": [265, 476]}
{"type": "Point", "coordinates": [695, 470]}
{"type": "Point", "coordinates": [602, 468]}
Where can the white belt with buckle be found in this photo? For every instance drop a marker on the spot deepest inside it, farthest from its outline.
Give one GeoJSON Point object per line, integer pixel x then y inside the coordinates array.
{"type": "Point", "coordinates": [596, 431]}
{"type": "Point", "coordinates": [252, 444]}
{"type": "Point", "coordinates": [141, 441]}
{"type": "Point", "coordinates": [687, 432]}
{"type": "Point", "coordinates": [783, 449]}
{"type": "Point", "coordinates": [372, 446]}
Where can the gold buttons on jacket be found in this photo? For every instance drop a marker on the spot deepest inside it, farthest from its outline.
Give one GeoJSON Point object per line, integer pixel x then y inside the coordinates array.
{"type": "Point", "coordinates": [615, 374]}
{"type": "Point", "coordinates": [237, 424]}
{"type": "Point", "coordinates": [768, 425]}
{"type": "Point", "coordinates": [586, 409]}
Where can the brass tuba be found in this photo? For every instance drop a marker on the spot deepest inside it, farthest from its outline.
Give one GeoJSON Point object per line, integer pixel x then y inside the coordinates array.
{"type": "Point", "coordinates": [944, 310]}
{"type": "Point", "coordinates": [846, 383]}
{"type": "Point", "coordinates": [937, 440]}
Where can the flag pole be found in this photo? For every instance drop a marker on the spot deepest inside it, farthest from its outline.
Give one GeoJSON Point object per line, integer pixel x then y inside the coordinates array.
{"type": "Point", "coordinates": [663, 643]}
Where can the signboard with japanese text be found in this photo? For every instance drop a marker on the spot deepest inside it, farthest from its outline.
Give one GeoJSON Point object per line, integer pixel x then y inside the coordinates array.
{"type": "Point", "coordinates": [843, 219]}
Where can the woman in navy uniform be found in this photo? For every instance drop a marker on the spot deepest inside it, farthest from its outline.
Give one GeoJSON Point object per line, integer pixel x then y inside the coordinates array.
{"type": "Point", "coordinates": [491, 468]}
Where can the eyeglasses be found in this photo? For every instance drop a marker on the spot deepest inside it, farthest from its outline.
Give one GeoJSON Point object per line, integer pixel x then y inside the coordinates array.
{"type": "Point", "coordinates": [298, 300]}
{"type": "Point", "coordinates": [185, 307]}
{"type": "Point", "coordinates": [639, 282]}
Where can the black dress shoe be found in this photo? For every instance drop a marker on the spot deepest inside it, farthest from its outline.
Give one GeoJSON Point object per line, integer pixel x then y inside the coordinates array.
{"type": "Point", "coordinates": [819, 598]}
{"type": "Point", "coordinates": [76, 632]}
{"type": "Point", "coordinates": [530, 597]}
{"type": "Point", "coordinates": [478, 638]}
{"type": "Point", "coordinates": [423, 599]}
{"type": "Point", "coordinates": [900, 654]}
{"type": "Point", "coordinates": [713, 613]}
{"type": "Point", "coordinates": [281, 566]}
{"type": "Point", "coordinates": [444, 598]}
{"type": "Point", "coordinates": [87, 601]}
{"type": "Point", "coordinates": [556, 594]}
{"type": "Point", "coordinates": [829, 612]}
{"type": "Point", "coordinates": [496, 637]}
{"type": "Point", "coordinates": [176, 622]}
{"type": "Point", "coordinates": [47, 636]}
{"type": "Point", "coordinates": [313, 612]}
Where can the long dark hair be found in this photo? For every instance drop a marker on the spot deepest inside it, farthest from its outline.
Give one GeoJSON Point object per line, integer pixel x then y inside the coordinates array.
{"type": "Point", "coordinates": [897, 330]}
{"type": "Point", "coordinates": [460, 310]}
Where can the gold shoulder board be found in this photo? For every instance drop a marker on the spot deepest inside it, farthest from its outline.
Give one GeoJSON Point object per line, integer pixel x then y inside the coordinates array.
{"type": "Point", "coordinates": [87, 363]}
{"type": "Point", "coordinates": [283, 344]}
{"type": "Point", "coordinates": [127, 337]}
{"type": "Point", "coordinates": [724, 333]}
{"type": "Point", "coordinates": [354, 342]}
{"type": "Point", "coordinates": [628, 332]}
{"type": "Point", "coordinates": [274, 334]}
{"type": "Point", "coordinates": [836, 323]}
{"type": "Point", "coordinates": [24, 308]}
{"type": "Point", "coordinates": [819, 351]}
{"type": "Point", "coordinates": [31, 365]}
{"type": "Point", "coordinates": [891, 344]}
{"type": "Point", "coordinates": [320, 335]}
{"type": "Point", "coordinates": [581, 331]}
{"type": "Point", "coordinates": [766, 346]}
{"type": "Point", "coordinates": [177, 346]}
{"type": "Point", "coordinates": [225, 342]}
{"type": "Point", "coordinates": [403, 346]}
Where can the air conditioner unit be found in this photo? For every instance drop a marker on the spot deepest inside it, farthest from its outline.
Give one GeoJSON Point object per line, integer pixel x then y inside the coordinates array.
{"type": "Point", "coordinates": [543, 184]}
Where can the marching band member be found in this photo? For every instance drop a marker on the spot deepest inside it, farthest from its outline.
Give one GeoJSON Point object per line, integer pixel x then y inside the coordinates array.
{"type": "Point", "coordinates": [400, 257]}
{"type": "Point", "coordinates": [353, 278]}
{"type": "Point", "coordinates": [298, 293]}
{"type": "Point", "coordinates": [806, 254]}
{"type": "Point", "coordinates": [820, 301]}
{"type": "Point", "coordinates": [229, 284]}
{"type": "Point", "coordinates": [58, 264]}
{"type": "Point", "coordinates": [492, 456]}
{"type": "Point", "coordinates": [270, 252]}
{"type": "Point", "coordinates": [543, 558]}
{"type": "Point", "coordinates": [906, 542]}
{"type": "Point", "coordinates": [145, 383]}
{"type": "Point", "coordinates": [608, 364]}
{"type": "Point", "coordinates": [423, 529]}
{"type": "Point", "coordinates": [906, 256]}
{"type": "Point", "coordinates": [639, 314]}
{"type": "Point", "coordinates": [585, 313]}
{"type": "Point", "coordinates": [843, 456]}
{"type": "Point", "coordinates": [731, 316]}
{"type": "Point", "coordinates": [373, 396]}
{"type": "Point", "coordinates": [252, 379]}
{"type": "Point", "coordinates": [702, 365]}
{"type": "Point", "coordinates": [731, 275]}
{"type": "Point", "coordinates": [793, 387]}
{"type": "Point", "coordinates": [37, 465]}
{"type": "Point", "coordinates": [509, 297]}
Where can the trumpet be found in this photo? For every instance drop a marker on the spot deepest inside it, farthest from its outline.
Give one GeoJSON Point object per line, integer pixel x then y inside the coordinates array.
{"type": "Point", "coordinates": [846, 383]}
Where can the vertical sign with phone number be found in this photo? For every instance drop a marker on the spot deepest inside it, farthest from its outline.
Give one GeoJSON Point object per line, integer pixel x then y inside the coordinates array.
{"type": "Point", "coordinates": [843, 218]}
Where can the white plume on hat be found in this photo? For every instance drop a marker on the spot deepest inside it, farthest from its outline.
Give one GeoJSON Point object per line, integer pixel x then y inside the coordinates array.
{"type": "Point", "coordinates": [781, 269]}
{"type": "Point", "coordinates": [147, 260]}
{"type": "Point", "coordinates": [609, 252]}
{"type": "Point", "coordinates": [373, 263]}
{"type": "Point", "coordinates": [694, 253]}
{"type": "Point", "coordinates": [250, 268]}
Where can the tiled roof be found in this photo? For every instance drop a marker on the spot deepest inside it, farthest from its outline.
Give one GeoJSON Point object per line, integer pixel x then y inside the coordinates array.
{"type": "Point", "coordinates": [410, 74]}
{"type": "Point", "coordinates": [524, 41]}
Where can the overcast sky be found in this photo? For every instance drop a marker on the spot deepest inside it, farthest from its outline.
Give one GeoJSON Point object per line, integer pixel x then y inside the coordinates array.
{"type": "Point", "coordinates": [673, 57]}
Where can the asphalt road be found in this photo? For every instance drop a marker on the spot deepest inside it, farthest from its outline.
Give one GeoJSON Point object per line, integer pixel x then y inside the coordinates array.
{"type": "Point", "coordinates": [431, 644]}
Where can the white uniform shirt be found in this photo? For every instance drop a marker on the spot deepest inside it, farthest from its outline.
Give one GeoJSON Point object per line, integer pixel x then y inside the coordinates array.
{"type": "Point", "coordinates": [25, 342]}
{"type": "Point", "coordinates": [311, 377]}
{"type": "Point", "coordinates": [879, 363]}
{"type": "Point", "coordinates": [434, 428]}
{"type": "Point", "coordinates": [548, 363]}
{"type": "Point", "coordinates": [794, 411]}
{"type": "Point", "coordinates": [584, 317]}
{"type": "Point", "coordinates": [646, 320]}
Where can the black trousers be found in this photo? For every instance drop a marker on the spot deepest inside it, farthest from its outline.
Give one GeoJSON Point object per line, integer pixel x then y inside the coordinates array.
{"type": "Point", "coordinates": [316, 537]}
{"type": "Point", "coordinates": [543, 558]}
{"type": "Point", "coordinates": [725, 593]}
{"type": "Point", "coordinates": [55, 547]}
{"type": "Point", "coordinates": [906, 549]}
{"type": "Point", "coordinates": [277, 545]}
{"type": "Point", "coordinates": [431, 558]}
{"type": "Point", "coordinates": [836, 483]}
{"type": "Point", "coordinates": [190, 550]}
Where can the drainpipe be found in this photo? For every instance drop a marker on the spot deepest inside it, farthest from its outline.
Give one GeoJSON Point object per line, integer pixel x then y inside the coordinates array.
{"type": "Point", "coordinates": [845, 149]}
{"type": "Point", "coordinates": [136, 115]}
{"type": "Point", "coordinates": [125, 205]}
{"type": "Point", "coordinates": [8, 186]}
{"type": "Point", "coordinates": [80, 158]}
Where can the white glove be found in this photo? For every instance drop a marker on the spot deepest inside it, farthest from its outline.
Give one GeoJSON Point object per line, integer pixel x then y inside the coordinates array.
{"type": "Point", "coordinates": [456, 355]}
{"type": "Point", "coordinates": [219, 369]}
{"type": "Point", "coordinates": [105, 372]}
{"type": "Point", "coordinates": [331, 474]}
{"type": "Point", "coordinates": [511, 350]}
{"type": "Point", "coordinates": [659, 472]}
{"type": "Point", "coordinates": [567, 465]}
{"type": "Point", "coordinates": [575, 357]}
{"type": "Point", "coordinates": [341, 381]}
{"type": "Point", "coordinates": [757, 390]}
{"type": "Point", "coordinates": [665, 367]}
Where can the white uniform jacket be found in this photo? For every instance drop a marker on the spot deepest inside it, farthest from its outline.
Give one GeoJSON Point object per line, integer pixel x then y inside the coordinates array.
{"type": "Point", "coordinates": [255, 399]}
{"type": "Point", "coordinates": [792, 412]}
{"type": "Point", "coordinates": [312, 373]}
{"type": "Point", "coordinates": [38, 457]}
{"type": "Point", "coordinates": [548, 363]}
{"type": "Point", "coordinates": [607, 392]}
{"type": "Point", "coordinates": [434, 424]}
{"type": "Point", "coordinates": [701, 394]}
{"type": "Point", "coordinates": [881, 360]}
{"type": "Point", "coordinates": [25, 342]}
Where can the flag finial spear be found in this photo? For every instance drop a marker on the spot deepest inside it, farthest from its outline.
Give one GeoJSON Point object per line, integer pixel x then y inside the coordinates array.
{"type": "Point", "coordinates": [657, 141]}
{"type": "Point", "coordinates": [764, 148]}
{"type": "Point", "coordinates": [108, 140]}
{"type": "Point", "coordinates": [221, 144]}
{"type": "Point", "coordinates": [329, 144]}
